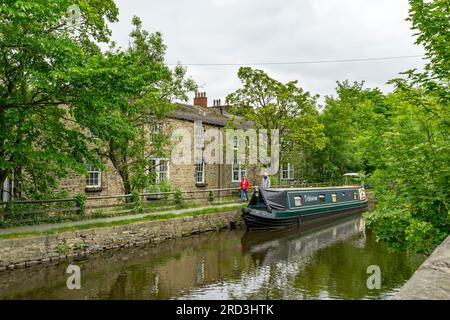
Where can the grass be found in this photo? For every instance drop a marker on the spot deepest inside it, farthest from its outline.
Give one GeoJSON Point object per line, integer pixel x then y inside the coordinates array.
{"type": "Point", "coordinates": [119, 222]}
{"type": "Point", "coordinates": [147, 207]}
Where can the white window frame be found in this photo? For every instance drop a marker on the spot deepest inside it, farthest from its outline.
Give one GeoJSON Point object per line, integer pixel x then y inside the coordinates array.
{"type": "Point", "coordinates": [289, 169]}
{"type": "Point", "coordinates": [298, 201]}
{"type": "Point", "coordinates": [334, 197]}
{"type": "Point", "coordinates": [200, 165]}
{"type": "Point", "coordinates": [157, 163]}
{"type": "Point", "coordinates": [90, 181]}
{"type": "Point", "coordinates": [241, 169]}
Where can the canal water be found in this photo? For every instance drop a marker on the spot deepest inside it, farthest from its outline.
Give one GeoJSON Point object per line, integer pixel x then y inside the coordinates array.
{"type": "Point", "coordinates": [329, 262]}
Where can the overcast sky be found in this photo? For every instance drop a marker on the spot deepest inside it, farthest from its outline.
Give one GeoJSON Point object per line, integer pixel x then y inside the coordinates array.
{"type": "Point", "coordinates": [252, 31]}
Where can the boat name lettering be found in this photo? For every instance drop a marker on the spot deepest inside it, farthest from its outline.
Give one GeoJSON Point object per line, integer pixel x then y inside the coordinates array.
{"type": "Point", "coordinates": [310, 198]}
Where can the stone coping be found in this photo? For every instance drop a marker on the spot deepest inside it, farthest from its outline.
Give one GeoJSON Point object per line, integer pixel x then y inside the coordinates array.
{"type": "Point", "coordinates": [33, 250]}
{"type": "Point", "coordinates": [432, 280]}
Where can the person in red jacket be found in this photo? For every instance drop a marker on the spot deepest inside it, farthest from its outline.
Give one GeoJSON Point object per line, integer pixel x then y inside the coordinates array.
{"type": "Point", "coordinates": [244, 184]}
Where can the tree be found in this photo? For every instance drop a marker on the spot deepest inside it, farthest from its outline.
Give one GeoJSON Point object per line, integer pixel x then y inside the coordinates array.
{"type": "Point", "coordinates": [344, 117]}
{"type": "Point", "coordinates": [64, 103]}
{"type": "Point", "coordinates": [413, 175]}
{"type": "Point", "coordinates": [139, 90]}
{"type": "Point", "coordinates": [270, 104]}
{"type": "Point", "coordinates": [431, 19]}
{"type": "Point", "coordinates": [42, 94]}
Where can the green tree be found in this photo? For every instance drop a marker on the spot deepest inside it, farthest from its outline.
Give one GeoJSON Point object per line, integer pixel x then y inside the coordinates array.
{"type": "Point", "coordinates": [413, 175]}
{"type": "Point", "coordinates": [42, 95]}
{"type": "Point", "coordinates": [141, 88]}
{"type": "Point", "coordinates": [270, 104]}
{"type": "Point", "coordinates": [65, 103]}
{"type": "Point", "coordinates": [343, 118]}
{"type": "Point", "coordinates": [431, 20]}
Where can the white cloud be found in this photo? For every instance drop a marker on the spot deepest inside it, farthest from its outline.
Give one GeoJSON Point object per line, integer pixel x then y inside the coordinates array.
{"type": "Point", "coordinates": [248, 31]}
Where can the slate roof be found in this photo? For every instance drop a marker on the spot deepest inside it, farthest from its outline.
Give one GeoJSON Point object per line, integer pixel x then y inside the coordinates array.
{"type": "Point", "coordinates": [210, 115]}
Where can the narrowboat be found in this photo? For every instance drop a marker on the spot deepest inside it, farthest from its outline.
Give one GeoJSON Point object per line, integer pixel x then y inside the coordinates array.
{"type": "Point", "coordinates": [280, 208]}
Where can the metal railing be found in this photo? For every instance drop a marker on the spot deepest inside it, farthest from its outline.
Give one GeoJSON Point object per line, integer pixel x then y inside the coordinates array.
{"type": "Point", "coordinates": [108, 205]}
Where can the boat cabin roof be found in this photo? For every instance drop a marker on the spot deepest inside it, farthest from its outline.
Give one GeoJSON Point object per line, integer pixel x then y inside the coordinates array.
{"type": "Point", "coordinates": [278, 199]}
{"type": "Point", "coordinates": [314, 188]}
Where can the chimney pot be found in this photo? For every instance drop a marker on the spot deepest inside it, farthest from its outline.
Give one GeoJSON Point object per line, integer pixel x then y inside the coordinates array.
{"type": "Point", "coordinates": [201, 99]}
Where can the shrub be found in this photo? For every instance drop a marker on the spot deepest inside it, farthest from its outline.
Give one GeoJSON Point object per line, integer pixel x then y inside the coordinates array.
{"type": "Point", "coordinates": [137, 201]}
{"type": "Point", "coordinates": [422, 236]}
{"type": "Point", "coordinates": [273, 181]}
{"type": "Point", "coordinates": [403, 232]}
{"type": "Point", "coordinates": [79, 246]}
{"type": "Point", "coordinates": [210, 196]}
{"type": "Point", "coordinates": [164, 186]}
{"type": "Point", "coordinates": [80, 201]}
{"type": "Point", "coordinates": [179, 199]}
{"type": "Point", "coordinates": [63, 248]}
{"type": "Point", "coordinates": [389, 226]}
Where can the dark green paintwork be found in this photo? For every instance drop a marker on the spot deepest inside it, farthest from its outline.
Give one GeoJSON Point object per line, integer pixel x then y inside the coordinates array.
{"type": "Point", "coordinates": [344, 201]}
{"type": "Point", "coordinates": [320, 209]}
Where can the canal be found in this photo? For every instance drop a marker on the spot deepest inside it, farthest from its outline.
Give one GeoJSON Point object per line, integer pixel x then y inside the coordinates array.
{"type": "Point", "coordinates": [329, 262]}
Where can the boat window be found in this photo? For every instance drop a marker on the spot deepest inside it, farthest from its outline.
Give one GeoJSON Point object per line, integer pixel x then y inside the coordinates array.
{"type": "Point", "coordinates": [355, 196]}
{"type": "Point", "coordinates": [322, 198]}
{"type": "Point", "coordinates": [298, 201]}
{"type": "Point", "coordinates": [343, 194]}
{"type": "Point", "coordinates": [334, 197]}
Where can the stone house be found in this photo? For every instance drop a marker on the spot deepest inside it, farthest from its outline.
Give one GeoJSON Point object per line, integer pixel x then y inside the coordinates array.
{"type": "Point", "coordinates": [187, 177]}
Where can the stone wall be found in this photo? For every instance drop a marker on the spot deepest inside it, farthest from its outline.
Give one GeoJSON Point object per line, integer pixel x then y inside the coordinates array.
{"type": "Point", "coordinates": [181, 176]}
{"type": "Point", "coordinates": [111, 183]}
{"type": "Point", "coordinates": [432, 280]}
{"type": "Point", "coordinates": [29, 251]}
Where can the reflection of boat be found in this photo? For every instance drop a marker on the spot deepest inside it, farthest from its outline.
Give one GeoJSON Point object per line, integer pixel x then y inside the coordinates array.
{"type": "Point", "coordinates": [277, 208]}
{"type": "Point", "coordinates": [270, 246]}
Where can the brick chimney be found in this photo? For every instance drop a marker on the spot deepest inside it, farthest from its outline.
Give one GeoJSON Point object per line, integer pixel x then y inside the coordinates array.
{"type": "Point", "coordinates": [200, 99]}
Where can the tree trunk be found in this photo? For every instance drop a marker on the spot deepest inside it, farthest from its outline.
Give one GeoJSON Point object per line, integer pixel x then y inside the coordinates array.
{"type": "Point", "coordinates": [3, 176]}
{"type": "Point", "coordinates": [119, 161]}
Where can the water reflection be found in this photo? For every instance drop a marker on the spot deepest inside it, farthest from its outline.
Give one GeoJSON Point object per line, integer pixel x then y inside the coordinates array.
{"type": "Point", "coordinates": [277, 245]}
{"type": "Point", "coordinates": [329, 262]}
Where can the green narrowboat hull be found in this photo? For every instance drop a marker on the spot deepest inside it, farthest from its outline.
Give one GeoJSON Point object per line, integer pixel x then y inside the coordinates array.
{"type": "Point", "coordinates": [267, 218]}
